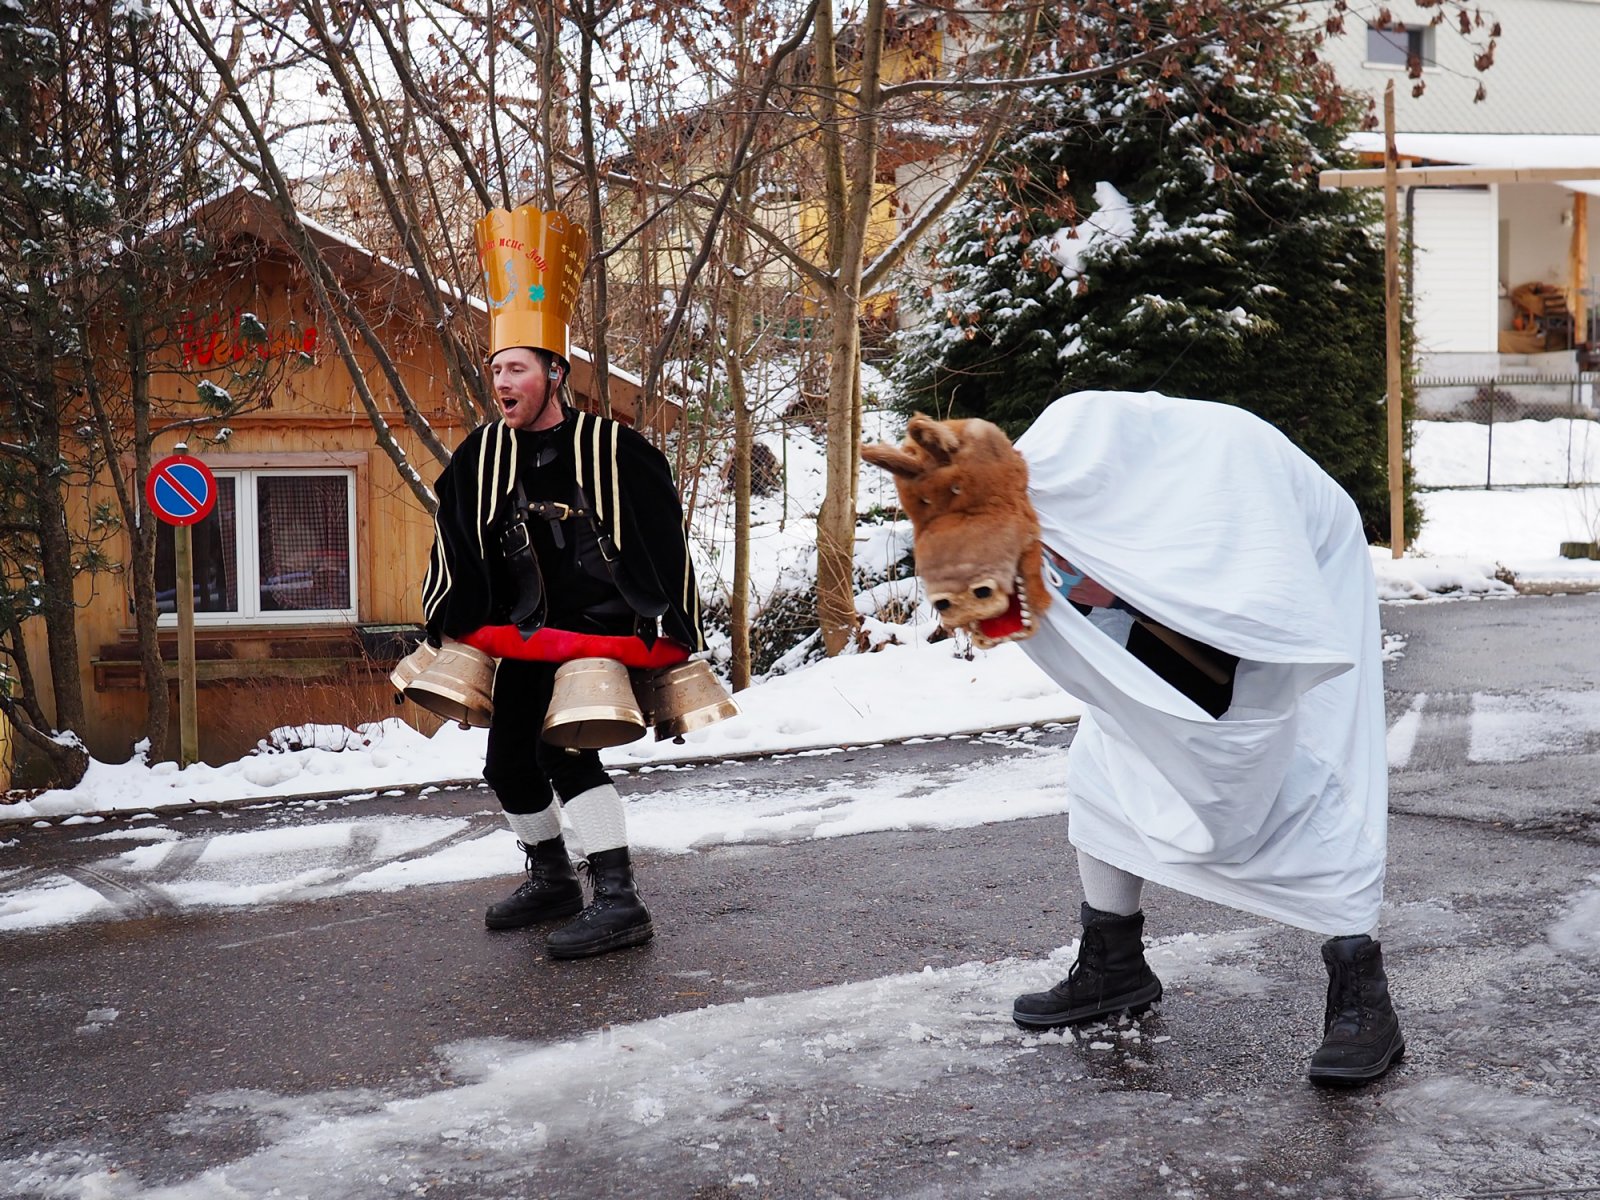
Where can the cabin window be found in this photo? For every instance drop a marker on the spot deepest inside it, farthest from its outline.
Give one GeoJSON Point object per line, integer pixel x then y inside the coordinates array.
{"type": "Point", "coordinates": [1397, 47]}
{"type": "Point", "coordinates": [278, 547]}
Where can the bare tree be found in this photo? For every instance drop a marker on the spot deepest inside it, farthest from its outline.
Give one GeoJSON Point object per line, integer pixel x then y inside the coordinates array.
{"type": "Point", "coordinates": [405, 138]}
{"type": "Point", "coordinates": [104, 272]}
{"type": "Point", "coordinates": [437, 110]}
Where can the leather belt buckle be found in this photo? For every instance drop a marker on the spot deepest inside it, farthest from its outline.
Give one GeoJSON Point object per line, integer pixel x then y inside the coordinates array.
{"type": "Point", "coordinates": [507, 544]}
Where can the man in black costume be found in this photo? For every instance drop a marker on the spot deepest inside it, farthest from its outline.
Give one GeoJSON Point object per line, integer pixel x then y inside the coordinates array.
{"type": "Point", "coordinates": [559, 535]}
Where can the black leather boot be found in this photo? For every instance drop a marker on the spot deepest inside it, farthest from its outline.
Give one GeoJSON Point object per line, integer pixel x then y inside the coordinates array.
{"type": "Point", "coordinates": [1361, 1033]}
{"type": "Point", "coordinates": [1110, 976]}
{"type": "Point", "coordinates": [552, 889]}
{"type": "Point", "coordinates": [616, 917]}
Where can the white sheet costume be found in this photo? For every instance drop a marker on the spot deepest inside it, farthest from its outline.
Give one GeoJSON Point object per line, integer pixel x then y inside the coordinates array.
{"type": "Point", "coordinates": [1208, 520]}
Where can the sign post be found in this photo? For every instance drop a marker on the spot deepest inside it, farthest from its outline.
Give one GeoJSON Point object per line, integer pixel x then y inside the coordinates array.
{"type": "Point", "coordinates": [182, 492]}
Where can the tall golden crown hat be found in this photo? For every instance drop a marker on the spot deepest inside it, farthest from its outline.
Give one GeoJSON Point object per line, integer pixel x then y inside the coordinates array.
{"type": "Point", "coordinates": [533, 262]}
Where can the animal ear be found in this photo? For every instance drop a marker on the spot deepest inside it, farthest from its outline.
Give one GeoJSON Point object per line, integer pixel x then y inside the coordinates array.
{"type": "Point", "coordinates": [936, 437]}
{"type": "Point", "coordinates": [894, 460]}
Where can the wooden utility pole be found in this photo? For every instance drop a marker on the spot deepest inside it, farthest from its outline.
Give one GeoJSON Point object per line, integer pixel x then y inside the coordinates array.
{"type": "Point", "coordinates": [1391, 312]}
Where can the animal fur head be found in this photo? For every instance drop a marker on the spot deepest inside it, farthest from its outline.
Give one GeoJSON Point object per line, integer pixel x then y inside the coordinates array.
{"type": "Point", "coordinates": [965, 489]}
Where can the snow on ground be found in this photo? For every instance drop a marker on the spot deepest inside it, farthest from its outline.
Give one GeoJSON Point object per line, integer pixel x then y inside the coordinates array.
{"type": "Point", "coordinates": [1457, 453]}
{"type": "Point", "coordinates": [903, 691]}
{"type": "Point", "coordinates": [284, 858]}
{"type": "Point", "coordinates": [913, 688]}
{"type": "Point", "coordinates": [717, 1083]}
{"type": "Point", "coordinates": [1518, 525]}
{"type": "Point", "coordinates": [690, 1079]}
{"type": "Point", "coordinates": [783, 525]}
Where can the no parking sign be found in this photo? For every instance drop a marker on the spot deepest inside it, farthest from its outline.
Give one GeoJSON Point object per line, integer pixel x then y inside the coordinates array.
{"type": "Point", "coordinates": [181, 490]}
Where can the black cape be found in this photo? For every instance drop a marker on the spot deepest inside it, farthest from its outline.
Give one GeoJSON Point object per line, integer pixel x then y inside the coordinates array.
{"type": "Point", "coordinates": [627, 484]}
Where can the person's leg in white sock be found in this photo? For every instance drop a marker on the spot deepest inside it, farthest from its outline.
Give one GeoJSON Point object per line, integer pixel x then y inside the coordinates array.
{"type": "Point", "coordinates": [551, 889]}
{"type": "Point", "coordinates": [598, 819]}
{"type": "Point", "coordinates": [1110, 975]}
{"type": "Point", "coordinates": [533, 828]}
{"type": "Point", "coordinates": [1109, 889]}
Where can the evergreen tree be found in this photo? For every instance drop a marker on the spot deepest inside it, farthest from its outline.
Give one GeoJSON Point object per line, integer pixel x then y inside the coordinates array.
{"type": "Point", "coordinates": [1166, 232]}
{"type": "Point", "coordinates": [41, 459]}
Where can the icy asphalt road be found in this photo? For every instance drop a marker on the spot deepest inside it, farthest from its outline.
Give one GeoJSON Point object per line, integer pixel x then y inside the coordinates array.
{"type": "Point", "coordinates": [825, 1017]}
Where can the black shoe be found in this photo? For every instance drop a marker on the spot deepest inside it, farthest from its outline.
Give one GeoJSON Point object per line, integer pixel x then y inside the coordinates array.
{"type": "Point", "coordinates": [616, 918]}
{"type": "Point", "coordinates": [1361, 1033]}
{"type": "Point", "coordinates": [1110, 976]}
{"type": "Point", "coordinates": [552, 889]}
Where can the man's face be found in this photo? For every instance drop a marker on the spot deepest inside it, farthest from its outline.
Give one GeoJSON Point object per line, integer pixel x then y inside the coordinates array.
{"type": "Point", "coordinates": [523, 388]}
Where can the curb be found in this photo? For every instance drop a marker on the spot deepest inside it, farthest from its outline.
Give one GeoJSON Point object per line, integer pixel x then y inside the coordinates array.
{"type": "Point", "coordinates": [7, 822]}
{"type": "Point", "coordinates": [215, 805]}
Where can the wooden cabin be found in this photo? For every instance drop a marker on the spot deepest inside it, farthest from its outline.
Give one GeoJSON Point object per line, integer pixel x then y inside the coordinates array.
{"type": "Point", "coordinates": [308, 571]}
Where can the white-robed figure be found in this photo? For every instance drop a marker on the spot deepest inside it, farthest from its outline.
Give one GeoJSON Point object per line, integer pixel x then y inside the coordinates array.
{"type": "Point", "coordinates": [1214, 607]}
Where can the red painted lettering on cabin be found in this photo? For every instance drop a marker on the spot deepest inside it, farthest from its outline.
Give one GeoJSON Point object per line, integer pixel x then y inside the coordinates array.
{"type": "Point", "coordinates": [208, 342]}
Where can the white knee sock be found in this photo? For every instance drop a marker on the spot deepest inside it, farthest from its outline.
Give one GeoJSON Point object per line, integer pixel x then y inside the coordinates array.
{"type": "Point", "coordinates": [1107, 888]}
{"type": "Point", "coordinates": [597, 819]}
{"type": "Point", "coordinates": [533, 828]}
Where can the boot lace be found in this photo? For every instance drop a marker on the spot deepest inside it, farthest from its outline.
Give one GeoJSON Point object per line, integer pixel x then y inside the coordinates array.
{"type": "Point", "coordinates": [540, 873]}
{"type": "Point", "coordinates": [1348, 1001]}
{"type": "Point", "coordinates": [603, 901]}
{"type": "Point", "coordinates": [1088, 975]}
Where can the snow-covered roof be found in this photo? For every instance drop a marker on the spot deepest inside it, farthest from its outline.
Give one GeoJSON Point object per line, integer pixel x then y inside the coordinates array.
{"type": "Point", "coordinates": [1494, 150]}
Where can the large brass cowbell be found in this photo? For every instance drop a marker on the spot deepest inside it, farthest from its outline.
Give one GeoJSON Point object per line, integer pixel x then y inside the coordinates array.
{"type": "Point", "coordinates": [409, 667]}
{"type": "Point", "coordinates": [592, 706]}
{"type": "Point", "coordinates": [457, 683]}
{"type": "Point", "coordinates": [594, 702]}
{"type": "Point", "coordinates": [682, 698]}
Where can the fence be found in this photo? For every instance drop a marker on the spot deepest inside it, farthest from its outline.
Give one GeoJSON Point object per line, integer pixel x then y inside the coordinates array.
{"type": "Point", "coordinates": [1507, 431]}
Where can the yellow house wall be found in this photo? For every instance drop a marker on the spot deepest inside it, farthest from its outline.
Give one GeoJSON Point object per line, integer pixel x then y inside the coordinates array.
{"type": "Point", "coordinates": [883, 223]}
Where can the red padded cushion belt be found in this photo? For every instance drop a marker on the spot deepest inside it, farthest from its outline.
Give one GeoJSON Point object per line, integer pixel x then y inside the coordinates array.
{"type": "Point", "coordinates": [562, 645]}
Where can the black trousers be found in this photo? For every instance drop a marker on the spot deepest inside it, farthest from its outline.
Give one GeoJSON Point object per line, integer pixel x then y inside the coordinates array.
{"type": "Point", "coordinates": [1166, 662]}
{"type": "Point", "coordinates": [520, 766]}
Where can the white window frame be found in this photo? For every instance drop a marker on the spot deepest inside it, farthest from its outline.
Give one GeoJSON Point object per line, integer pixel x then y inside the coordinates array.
{"type": "Point", "coordinates": [1425, 41]}
{"type": "Point", "coordinates": [247, 553]}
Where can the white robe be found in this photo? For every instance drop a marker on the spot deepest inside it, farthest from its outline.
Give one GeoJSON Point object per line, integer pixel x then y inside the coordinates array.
{"type": "Point", "coordinates": [1210, 521]}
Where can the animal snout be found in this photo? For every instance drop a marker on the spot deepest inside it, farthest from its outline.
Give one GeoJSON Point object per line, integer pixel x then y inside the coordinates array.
{"type": "Point", "coordinates": [942, 603]}
{"type": "Point", "coordinates": [973, 601]}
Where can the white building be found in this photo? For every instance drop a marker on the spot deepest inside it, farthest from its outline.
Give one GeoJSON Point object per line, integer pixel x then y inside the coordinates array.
{"type": "Point", "coordinates": [1501, 276]}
